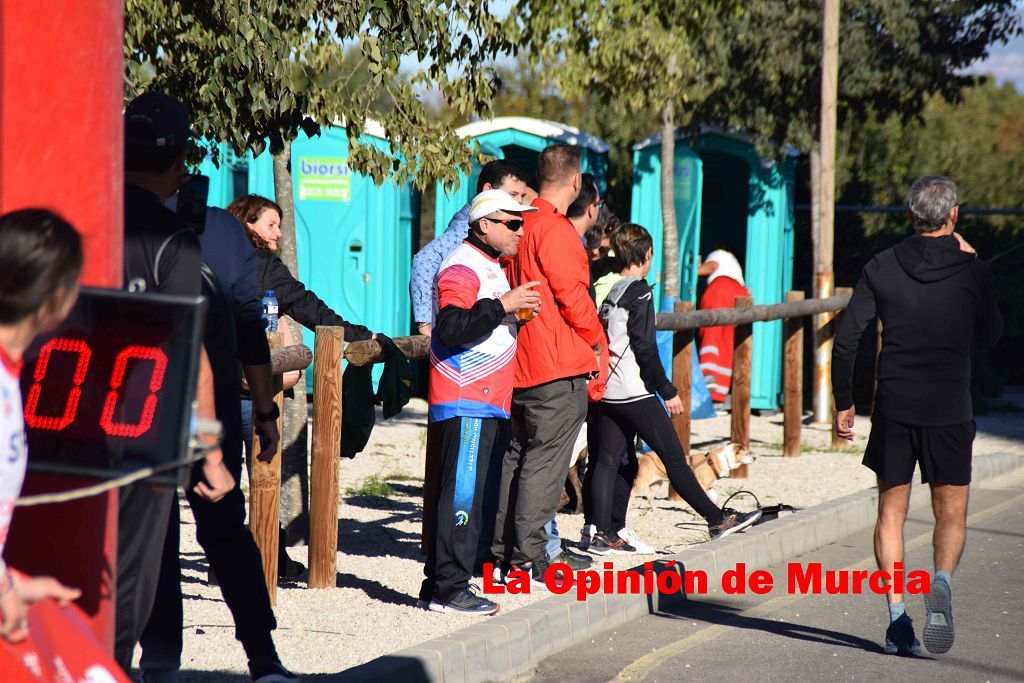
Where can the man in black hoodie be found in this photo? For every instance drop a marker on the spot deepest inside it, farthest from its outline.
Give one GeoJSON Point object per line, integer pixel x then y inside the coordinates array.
{"type": "Point", "coordinates": [934, 298]}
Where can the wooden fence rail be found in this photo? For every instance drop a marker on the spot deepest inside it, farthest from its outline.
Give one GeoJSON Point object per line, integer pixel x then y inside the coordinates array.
{"type": "Point", "coordinates": [714, 317]}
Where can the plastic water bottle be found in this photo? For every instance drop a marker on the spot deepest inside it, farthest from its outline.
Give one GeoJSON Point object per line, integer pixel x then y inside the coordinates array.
{"type": "Point", "coordinates": [270, 310]}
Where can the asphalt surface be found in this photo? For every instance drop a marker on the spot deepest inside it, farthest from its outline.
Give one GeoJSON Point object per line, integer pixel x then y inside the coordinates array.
{"type": "Point", "coordinates": [783, 637]}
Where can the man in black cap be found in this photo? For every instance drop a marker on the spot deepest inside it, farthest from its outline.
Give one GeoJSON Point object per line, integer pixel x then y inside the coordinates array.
{"type": "Point", "coordinates": [163, 254]}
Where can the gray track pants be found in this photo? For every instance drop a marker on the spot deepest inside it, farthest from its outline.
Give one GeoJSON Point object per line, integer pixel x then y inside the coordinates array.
{"type": "Point", "coordinates": [545, 422]}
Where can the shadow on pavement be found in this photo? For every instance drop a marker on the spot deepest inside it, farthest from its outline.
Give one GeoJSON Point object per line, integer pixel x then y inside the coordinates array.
{"type": "Point", "coordinates": [725, 615]}
{"type": "Point", "coordinates": [389, 667]}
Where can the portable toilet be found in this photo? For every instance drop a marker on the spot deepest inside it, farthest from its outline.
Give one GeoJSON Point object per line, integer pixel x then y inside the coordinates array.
{"type": "Point", "coordinates": [726, 192]}
{"type": "Point", "coordinates": [520, 140]}
{"type": "Point", "coordinates": [230, 177]}
{"type": "Point", "coordinates": [353, 239]}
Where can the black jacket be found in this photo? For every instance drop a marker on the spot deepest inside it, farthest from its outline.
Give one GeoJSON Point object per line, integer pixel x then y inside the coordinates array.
{"type": "Point", "coordinates": [935, 303]}
{"type": "Point", "coordinates": [296, 301]}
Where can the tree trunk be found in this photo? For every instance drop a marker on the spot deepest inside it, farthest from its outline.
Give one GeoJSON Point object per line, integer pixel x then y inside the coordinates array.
{"type": "Point", "coordinates": [294, 440]}
{"type": "Point", "coordinates": [670, 231]}
{"type": "Point", "coordinates": [815, 219]}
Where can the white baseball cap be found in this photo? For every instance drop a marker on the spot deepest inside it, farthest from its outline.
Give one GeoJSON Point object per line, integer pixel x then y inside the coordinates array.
{"type": "Point", "coordinates": [492, 201]}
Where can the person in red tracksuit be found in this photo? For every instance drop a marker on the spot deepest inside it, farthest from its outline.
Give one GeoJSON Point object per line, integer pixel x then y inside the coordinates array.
{"type": "Point", "coordinates": [725, 283]}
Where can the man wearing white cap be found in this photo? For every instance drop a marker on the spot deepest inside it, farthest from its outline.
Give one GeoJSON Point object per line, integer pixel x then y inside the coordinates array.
{"type": "Point", "coordinates": [472, 349]}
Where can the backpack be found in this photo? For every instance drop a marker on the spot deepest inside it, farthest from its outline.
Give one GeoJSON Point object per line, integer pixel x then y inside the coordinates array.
{"type": "Point", "coordinates": [596, 388]}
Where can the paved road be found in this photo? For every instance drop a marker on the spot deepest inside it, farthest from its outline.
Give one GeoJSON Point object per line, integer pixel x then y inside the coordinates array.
{"type": "Point", "coordinates": [781, 637]}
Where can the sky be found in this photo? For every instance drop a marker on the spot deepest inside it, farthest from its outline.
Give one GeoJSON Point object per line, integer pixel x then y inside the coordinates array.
{"type": "Point", "coordinates": [1006, 63]}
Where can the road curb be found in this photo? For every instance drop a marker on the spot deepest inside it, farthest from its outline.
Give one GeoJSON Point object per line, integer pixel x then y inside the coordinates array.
{"type": "Point", "coordinates": [510, 645]}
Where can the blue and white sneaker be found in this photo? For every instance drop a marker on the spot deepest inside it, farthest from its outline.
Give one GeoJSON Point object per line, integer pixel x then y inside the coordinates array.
{"type": "Point", "coordinates": [900, 639]}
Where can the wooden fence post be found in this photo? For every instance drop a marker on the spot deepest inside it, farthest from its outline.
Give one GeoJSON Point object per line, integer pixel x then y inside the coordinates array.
{"type": "Point", "coordinates": [836, 441]}
{"type": "Point", "coordinates": [265, 492]}
{"type": "Point", "coordinates": [792, 381]}
{"type": "Point", "coordinates": [682, 370]}
{"type": "Point", "coordinates": [743, 341]}
{"type": "Point", "coordinates": [323, 480]}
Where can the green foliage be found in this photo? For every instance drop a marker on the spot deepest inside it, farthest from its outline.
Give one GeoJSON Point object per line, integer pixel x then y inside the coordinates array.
{"type": "Point", "coordinates": [622, 51]}
{"type": "Point", "coordinates": [893, 56]}
{"type": "Point", "coordinates": [252, 70]}
{"type": "Point", "coordinates": [372, 486]}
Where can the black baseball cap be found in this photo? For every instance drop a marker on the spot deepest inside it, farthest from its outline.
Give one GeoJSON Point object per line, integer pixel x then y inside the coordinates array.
{"type": "Point", "coordinates": [154, 119]}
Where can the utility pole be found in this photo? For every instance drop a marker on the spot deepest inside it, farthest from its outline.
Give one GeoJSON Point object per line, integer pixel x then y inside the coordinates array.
{"type": "Point", "coordinates": [823, 259]}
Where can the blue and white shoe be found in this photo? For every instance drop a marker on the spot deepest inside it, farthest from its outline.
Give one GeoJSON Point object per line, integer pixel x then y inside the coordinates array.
{"type": "Point", "coordinates": [900, 639]}
{"type": "Point", "coordinates": [938, 626]}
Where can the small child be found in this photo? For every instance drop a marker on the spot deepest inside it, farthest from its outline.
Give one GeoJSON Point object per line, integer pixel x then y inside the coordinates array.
{"type": "Point", "coordinates": [630, 407]}
{"type": "Point", "coordinates": [40, 260]}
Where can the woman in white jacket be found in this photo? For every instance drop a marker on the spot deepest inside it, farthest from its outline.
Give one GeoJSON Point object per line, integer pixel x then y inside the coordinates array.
{"type": "Point", "coordinates": [630, 406]}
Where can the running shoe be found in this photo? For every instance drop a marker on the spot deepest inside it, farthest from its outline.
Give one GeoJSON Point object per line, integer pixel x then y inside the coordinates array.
{"type": "Point", "coordinates": [576, 561]}
{"type": "Point", "coordinates": [938, 625]}
{"type": "Point", "coordinates": [537, 571]}
{"type": "Point", "coordinates": [270, 670]}
{"type": "Point", "coordinates": [733, 521]}
{"type": "Point", "coordinates": [465, 601]}
{"type": "Point", "coordinates": [631, 537]}
{"type": "Point", "coordinates": [900, 639]}
{"type": "Point", "coordinates": [586, 535]}
{"type": "Point", "coordinates": [610, 544]}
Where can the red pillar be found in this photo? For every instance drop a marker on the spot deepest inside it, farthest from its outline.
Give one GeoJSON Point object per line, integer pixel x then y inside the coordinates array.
{"type": "Point", "coordinates": [61, 147]}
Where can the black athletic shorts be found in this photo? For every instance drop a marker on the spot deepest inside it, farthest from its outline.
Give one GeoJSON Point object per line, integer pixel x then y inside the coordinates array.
{"type": "Point", "coordinates": [944, 453]}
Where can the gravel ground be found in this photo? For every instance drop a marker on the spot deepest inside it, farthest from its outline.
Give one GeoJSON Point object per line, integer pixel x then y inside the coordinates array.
{"type": "Point", "coordinates": [371, 612]}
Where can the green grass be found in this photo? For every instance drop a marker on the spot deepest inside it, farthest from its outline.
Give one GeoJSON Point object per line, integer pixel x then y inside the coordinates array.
{"type": "Point", "coordinates": [374, 486]}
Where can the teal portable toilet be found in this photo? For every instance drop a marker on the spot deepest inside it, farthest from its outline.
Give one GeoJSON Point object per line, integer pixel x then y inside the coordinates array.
{"type": "Point", "coordinates": [232, 177]}
{"type": "Point", "coordinates": [725, 191]}
{"type": "Point", "coordinates": [520, 140]}
{"type": "Point", "coordinates": [353, 239]}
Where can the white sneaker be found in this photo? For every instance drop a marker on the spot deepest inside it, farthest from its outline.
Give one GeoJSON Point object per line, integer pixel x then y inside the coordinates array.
{"type": "Point", "coordinates": [630, 537]}
{"type": "Point", "coordinates": [587, 535]}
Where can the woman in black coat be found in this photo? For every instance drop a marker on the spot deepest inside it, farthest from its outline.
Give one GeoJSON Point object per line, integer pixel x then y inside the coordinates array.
{"type": "Point", "coordinates": [262, 220]}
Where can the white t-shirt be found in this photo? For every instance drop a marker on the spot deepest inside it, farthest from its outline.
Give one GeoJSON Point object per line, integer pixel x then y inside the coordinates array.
{"type": "Point", "coordinates": [13, 452]}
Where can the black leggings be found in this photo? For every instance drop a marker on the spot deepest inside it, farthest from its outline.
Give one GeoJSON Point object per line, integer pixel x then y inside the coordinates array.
{"type": "Point", "coordinates": [609, 480]}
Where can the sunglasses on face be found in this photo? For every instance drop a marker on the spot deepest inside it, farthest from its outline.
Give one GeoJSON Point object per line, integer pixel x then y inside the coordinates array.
{"type": "Point", "coordinates": [513, 224]}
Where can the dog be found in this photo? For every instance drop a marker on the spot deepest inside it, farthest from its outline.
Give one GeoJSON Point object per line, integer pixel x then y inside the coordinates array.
{"type": "Point", "coordinates": [571, 501]}
{"type": "Point", "coordinates": [709, 467]}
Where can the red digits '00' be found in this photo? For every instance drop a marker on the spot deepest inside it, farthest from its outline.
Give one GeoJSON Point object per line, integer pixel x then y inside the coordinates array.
{"type": "Point", "coordinates": [76, 346]}
{"type": "Point", "coordinates": [156, 381]}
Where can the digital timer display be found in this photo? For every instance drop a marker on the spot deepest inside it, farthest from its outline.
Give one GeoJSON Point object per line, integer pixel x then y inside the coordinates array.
{"type": "Point", "coordinates": [111, 390]}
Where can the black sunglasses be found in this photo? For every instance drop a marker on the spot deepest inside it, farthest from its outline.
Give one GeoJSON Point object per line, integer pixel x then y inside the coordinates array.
{"type": "Point", "coordinates": [513, 224]}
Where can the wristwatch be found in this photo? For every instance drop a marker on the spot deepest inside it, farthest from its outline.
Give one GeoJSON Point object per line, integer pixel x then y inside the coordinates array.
{"type": "Point", "coordinates": [269, 416]}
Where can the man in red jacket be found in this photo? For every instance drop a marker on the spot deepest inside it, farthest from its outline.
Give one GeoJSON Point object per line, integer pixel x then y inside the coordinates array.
{"type": "Point", "coordinates": [557, 351]}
